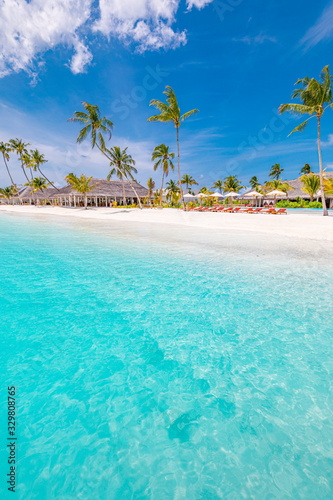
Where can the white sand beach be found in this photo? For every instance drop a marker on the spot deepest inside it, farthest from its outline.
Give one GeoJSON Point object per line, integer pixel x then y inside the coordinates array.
{"type": "Point", "coordinates": [302, 226]}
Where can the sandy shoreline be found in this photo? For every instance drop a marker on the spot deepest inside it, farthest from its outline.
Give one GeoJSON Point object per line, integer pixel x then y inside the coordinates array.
{"type": "Point", "coordinates": [301, 226]}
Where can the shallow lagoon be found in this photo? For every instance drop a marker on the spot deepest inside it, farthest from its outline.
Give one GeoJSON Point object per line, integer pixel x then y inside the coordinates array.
{"type": "Point", "coordinates": [160, 362]}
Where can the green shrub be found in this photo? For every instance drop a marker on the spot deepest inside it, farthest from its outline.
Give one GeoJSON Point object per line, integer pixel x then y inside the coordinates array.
{"type": "Point", "coordinates": [297, 204]}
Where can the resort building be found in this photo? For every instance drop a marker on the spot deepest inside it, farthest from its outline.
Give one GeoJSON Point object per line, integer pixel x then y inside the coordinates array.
{"type": "Point", "coordinates": [103, 194]}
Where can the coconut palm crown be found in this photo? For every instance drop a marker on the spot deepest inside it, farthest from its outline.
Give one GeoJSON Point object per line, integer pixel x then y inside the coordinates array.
{"type": "Point", "coordinates": [82, 184]}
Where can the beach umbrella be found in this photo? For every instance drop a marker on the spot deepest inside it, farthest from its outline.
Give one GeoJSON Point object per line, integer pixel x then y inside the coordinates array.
{"type": "Point", "coordinates": [253, 194]}
{"type": "Point", "coordinates": [188, 196]}
{"type": "Point", "coordinates": [231, 194]}
{"type": "Point", "coordinates": [216, 195]}
{"type": "Point", "coordinates": [201, 195]}
{"type": "Point", "coordinates": [277, 194]}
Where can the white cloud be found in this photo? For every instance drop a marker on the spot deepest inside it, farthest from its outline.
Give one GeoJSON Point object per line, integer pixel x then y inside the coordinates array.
{"type": "Point", "coordinates": [321, 30]}
{"type": "Point", "coordinates": [28, 29]}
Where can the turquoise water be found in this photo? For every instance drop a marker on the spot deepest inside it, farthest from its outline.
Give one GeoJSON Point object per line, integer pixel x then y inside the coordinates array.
{"type": "Point", "coordinates": [151, 364]}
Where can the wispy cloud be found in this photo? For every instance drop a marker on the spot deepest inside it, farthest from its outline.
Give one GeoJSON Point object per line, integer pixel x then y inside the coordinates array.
{"type": "Point", "coordinates": [255, 40]}
{"type": "Point", "coordinates": [321, 30]}
{"type": "Point", "coordinates": [29, 29]}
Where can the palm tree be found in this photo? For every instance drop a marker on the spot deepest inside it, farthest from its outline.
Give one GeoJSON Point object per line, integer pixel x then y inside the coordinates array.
{"type": "Point", "coordinates": [20, 149]}
{"type": "Point", "coordinates": [37, 160]}
{"type": "Point", "coordinates": [188, 181]}
{"type": "Point", "coordinates": [218, 185]}
{"type": "Point", "coordinates": [151, 187]}
{"type": "Point", "coordinates": [231, 183]}
{"type": "Point", "coordinates": [316, 97]}
{"type": "Point", "coordinates": [173, 193]}
{"type": "Point", "coordinates": [164, 160]}
{"type": "Point", "coordinates": [81, 184]}
{"type": "Point", "coordinates": [254, 183]}
{"type": "Point", "coordinates": [170, 112]}
{"type": "Point", "coordinates": [5, 150]}
{"type": "Point", "coordinates": [27, 162]}
{"type": "Point", "coordinates": [311, 184]}
{"type": "Point", "coordinates": [95, 126]}
{"type": "Point", "coordinates": [37, 184]}
{"type": "Point", "coordinates": [306, 169]}
{"type": "Point", "coordinates": [328, 186]}
{"type": "Point", "coordinates": [123, 167]}
{"type": "Point", "coordinates": [276, 171]}
{"type": "Point", "coordinates": [8, 192]}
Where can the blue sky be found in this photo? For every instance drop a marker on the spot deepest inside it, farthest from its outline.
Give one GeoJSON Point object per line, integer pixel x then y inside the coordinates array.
{"type": "Point", "coordinates": [235, 60]}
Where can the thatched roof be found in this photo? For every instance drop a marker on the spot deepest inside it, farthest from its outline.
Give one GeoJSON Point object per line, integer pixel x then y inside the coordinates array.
{"type": "Point", "coordinates": [102, 187]}
{"type": "Point", "coordinates": [27, 193]}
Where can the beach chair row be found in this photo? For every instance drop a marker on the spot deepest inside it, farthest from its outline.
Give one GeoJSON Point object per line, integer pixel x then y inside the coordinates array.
{"type": "Point", "coordinates": [241, 210]}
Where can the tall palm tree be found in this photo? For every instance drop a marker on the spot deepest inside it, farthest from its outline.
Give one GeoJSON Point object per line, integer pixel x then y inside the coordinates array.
{"type": "Point", "coordinates": [123, 167]}
{"type": "Point", "coordinates": [38, 159]}
{"type": "Point", "coordinates": [306, 169]}
{"type": "Point", "coordinates": [82, 184]}
{"type": "Point", "coordinates": [37, 184]}
{"type": "Point", "coordinates": [163, 159]}
{"type": "Point", "coordinates": [27, 162]}
{"type": "Point", "coordinates": [95, 126]}
{"type": "Point", "coordinates": [254, 183]}
{"type": "Point", "coordinates": [5, 150]}
{"type": "Point", "coordinates": [316, 97]}
{"type": "Point", "coordinates": [170, 112]}
{"type": "Point", "coordinates": [218, 185]}
{"type": "Point", "coordinates": [311, 184]}
{"type": "Point", "coordinates": [276, 171]}
{"type": "Point", "coordinates": [8, 192]}
{"type": "Point", "coordinates": [151, 187]}
{"type": "Point", "coordinates": [20, 149]}
{"type": "Point", "coordinates": [188, 181]}
{"type": "Point", "coordinates": [173, 193]}
{"type": "Point", "coordinates": [232, 183]}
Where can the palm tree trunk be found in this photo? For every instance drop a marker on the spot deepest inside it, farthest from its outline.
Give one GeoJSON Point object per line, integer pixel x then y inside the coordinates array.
{"type": "Point", "coordinates": [136, 194]}
{"type": "Point", "coordinates": [325, 212]}
{"type": "Point", "coordinates": [85, 201]}
{"type": "Point", "coordinates": [25, 174]}
{"type": "Point", "coordinates": [161, 197]}
{"type": "Point", "coordinates": [179, 176]}
{"type": "Point", "coordinates": [48, 180]}
{"type": "Point", "coordinates": [8, 171]}
{"type": "Point", "coordinates": [124, 197]}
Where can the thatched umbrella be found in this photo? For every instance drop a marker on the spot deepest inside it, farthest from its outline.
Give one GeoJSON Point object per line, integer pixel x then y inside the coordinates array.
{"type": "Point", "coordinates": [254, 195]}
{"type": "Point", "coordinates": [276, 193]}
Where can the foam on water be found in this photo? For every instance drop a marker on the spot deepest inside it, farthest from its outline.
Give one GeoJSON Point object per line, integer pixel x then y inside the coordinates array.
{"type": "Point", "coordinates": [153, 364]}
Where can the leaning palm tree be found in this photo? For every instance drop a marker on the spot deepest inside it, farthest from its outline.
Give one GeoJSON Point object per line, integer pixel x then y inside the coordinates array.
{"type": "Point", "coordinates": [276, 171]}
{"type": "Point", "coordinates": [231, 183]}
{"type": "Point", "coordinates": [311, 184]}
{"type": "Point", "coordinates": [95, 127]}
{"type": "Point", "coordinates": [151, 187]}
{"type": "Point", "coordinates": [254, 183]}
{"type": "Point", "coordinates": [316, 97]}
{"type": "Point", "coordinates": [37, 184]}
{"type": "Point", "coordinates": [218, 185]}
{"type": "Point", "coordinates": [306, 169]}
{"type": "Point", "coordinates": [5, 150]}
{"type": "Point", "coordinates": [163, 159]}
{"type": "Point", "coordinates": [20, 149]}
{"type": "Point", "coordinates": [188, 181]}
{"type": "Point", "coordinates": [82, 185]}
{"type": "Point", "coordinates": [123, 167]}
{"type": "Point", "coordinates": [38, 159]}
{"type": "Point", "coordinates": [170, 112]}
{"type": "Point", "coordinates": [27, 162]}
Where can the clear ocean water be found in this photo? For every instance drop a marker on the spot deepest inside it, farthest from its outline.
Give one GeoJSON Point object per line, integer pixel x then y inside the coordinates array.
{"type": "Point", "coordinates": [154, 365]}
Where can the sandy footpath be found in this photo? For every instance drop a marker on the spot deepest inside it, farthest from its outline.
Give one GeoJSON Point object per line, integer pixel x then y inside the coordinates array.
{"type": "Point", "coordinates": [303, 226]}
